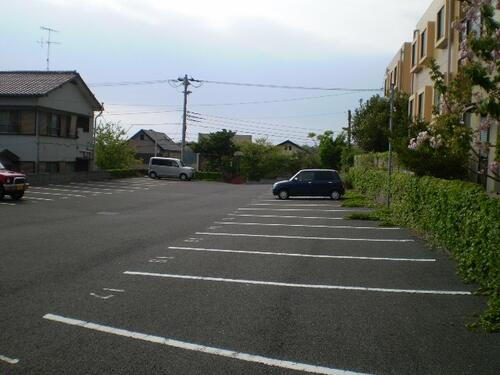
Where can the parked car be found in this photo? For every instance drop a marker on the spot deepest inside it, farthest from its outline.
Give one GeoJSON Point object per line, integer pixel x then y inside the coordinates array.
{"type": "Point", "coordinates": [169, 167]}
{"type": "Point", "coordinates": [12, 183]}
{"type": "Point", "coordinates": [311, 182]}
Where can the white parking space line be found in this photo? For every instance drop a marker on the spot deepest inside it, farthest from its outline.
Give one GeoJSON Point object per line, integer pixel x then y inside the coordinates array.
{"type": "Point", "coordinates": [111, 186]}
{"type": "Point", "coordinates": [58, 194]}
{"type": "Point", "coordinates": [287, 216]}
{"type": "Point", "coordinates": [107, 188]}
{"type": "Point", "coordinates": [292, 285]}
{"type": "Point", "coordinates": [199, 348]}
{"type": "Point", "coordinates": [295, 205]}
{"type": "Point", "coordinates": [303, 237]}
{"type": "Point", "coordinates": [300, 255]}
{"type": "Point", "coordinates": [11, 361]}
{"type": "Point", "coordinates": [39, 199]}
{"type": "Point", "coordinates": [8, 204]}
{"type": "Point", "coordinates": [114, 290]}
{"type": "Point", "coordinates": [303, 225]}
{"type": "Point", "coordinates": [69, 190]}
{"type": "Point", "coordinates": [298, 209]}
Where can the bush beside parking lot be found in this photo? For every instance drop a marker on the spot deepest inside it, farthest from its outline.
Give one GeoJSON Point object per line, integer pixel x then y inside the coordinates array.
{"type": "Point", "coordinates": [208, 176]}
{"type": "Point", "coordinates": [455, 215]}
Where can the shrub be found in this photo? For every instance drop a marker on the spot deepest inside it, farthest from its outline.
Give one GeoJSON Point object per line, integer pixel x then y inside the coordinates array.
{"type": "Point", "coordinates": [123, 173]}
{"type": "Point", "coordinates": [208, 176]}
{"type": "Point", "coordinates": [456, 215]}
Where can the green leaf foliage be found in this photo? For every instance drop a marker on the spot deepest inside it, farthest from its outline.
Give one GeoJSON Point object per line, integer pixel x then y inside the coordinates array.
{"type": "Point", "coordinates": [456, 215]}
{"type": "Point", "coordinates": [112, 149]}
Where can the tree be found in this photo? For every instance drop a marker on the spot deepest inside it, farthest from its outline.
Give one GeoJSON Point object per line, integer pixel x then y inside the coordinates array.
{"type": "Point", "coordinates": [330, 149]}
{"type": "Point", "coordinates": [370, 123]}
{"type": "Point", "coordinates": [112, 150]}
{"type": "Point", "coordinates": [219, 149]}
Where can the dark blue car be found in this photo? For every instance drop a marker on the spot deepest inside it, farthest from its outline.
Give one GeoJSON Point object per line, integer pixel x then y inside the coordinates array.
{"type": "Point", "coordinates": [311, 183]}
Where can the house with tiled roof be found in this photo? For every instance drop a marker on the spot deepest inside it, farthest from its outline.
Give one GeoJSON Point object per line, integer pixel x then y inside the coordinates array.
{"type": "Point", "coordinates": [46, 121]}
{"type": "Point", "coordinates": [149, 143]}
{"type": "Point", "coordinates": [289, 147]}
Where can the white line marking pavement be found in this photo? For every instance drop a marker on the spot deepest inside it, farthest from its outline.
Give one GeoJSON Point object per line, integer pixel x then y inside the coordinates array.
{"type": "Point", "coordinates": [58, 194]}
{"type": "Point", "coordinates": [39, 199]}
{"type": "Point", "coordinates": [300, 255]}
{"type": "Point", "coordinates": [8, 204]}
{"type": "Point", "coordinates": [85, 186]}
{"type": "Point", "coordinates": [12, 361]}
{"type": "Point", "coordinates": [303, 225]}
{"type": "Point", "coordinates": [288, 216]}
{"type": "Point", "coordinates": [70, 190]}
{"type": "Point", "coordinates": [303, 237]}
{"type": "Point", "coordinates": [294, 205]}
{"type": "Point", "coordinates": [298, 209]}
{"type": "Point", "coordinates": [297, 366]}
{"type": "Point", "coordinates": [101, 297]}
{"type": "Point", "coordinates": [114, 290]}
{"type": "Point", "coordinates": [308, 286]}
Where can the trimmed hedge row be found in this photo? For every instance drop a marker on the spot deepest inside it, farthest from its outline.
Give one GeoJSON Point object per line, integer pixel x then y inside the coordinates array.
{"type": "Point", "coordinates": [123, 173]}
{"type": "Point", "coordinates": [456, 215]}
{"type": "Point", "coordinates": [209, 176]}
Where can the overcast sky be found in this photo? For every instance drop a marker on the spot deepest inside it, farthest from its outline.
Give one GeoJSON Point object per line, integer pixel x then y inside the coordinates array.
{"type": "Point", "coordinates": [327, 43]}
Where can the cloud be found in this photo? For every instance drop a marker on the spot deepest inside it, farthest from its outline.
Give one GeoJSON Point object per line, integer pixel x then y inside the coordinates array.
{"type": "Point", "coordinates": [370, 26]}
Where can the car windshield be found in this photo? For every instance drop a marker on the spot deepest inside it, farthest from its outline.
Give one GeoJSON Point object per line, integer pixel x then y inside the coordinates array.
{"type": "Point", "coordinates": [181, 163]}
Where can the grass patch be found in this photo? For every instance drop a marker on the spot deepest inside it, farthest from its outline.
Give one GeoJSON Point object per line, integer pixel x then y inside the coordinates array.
{"type": "Point", "coordinates": [356, 199]}
{"type": "Point", "coordinates": [362, 216]}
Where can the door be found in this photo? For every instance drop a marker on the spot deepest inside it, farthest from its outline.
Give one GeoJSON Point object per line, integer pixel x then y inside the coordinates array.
{"type": "Point", "coordinates": [302, 184]}
{"type": "Point", "coordinates": [324, 183]}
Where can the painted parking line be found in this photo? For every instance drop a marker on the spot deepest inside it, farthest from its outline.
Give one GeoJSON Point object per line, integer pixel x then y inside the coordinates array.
{"type": "Point", "coordinates": [58, 194]}
{"type": "Point", "coordinates": [301, 255]}
{"type": "Point", "coordinates": [293, 285]}
{"type": "Point", "coordinates": [69, 190]}
{"type": "Point", "coordinates": [106, 188]}
{"type": "Point", "coordinates": [304, 225]}
{"type": "Point", "coordinates": [199, 348]}
{"type": "Point", "coordinates": [294, 205]}
{"type": "Point", "coordinates": [112, 186]}
{"type": "Point", "coordinates": [9, 360]}
{"type": "Point", "coordinates": [39, 199]}
{"type": "Point", "coordinates": [299, 209]}
{"type": "Point", "coordinates": [303, 237]}
{"type": "Point", "coordinates": [7, 204]}
{"type": "Point", "coordinates": [287, 216]}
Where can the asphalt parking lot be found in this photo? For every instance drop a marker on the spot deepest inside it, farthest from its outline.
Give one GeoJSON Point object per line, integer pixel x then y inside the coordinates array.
{"type": "Point", "coordinates": [140, 276]}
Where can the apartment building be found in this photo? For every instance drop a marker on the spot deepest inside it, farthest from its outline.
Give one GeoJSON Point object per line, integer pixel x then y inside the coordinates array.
{"type": "Point", "coordinates": [436, 37]}
{"type": "Point", "coordinates": [398, 71]}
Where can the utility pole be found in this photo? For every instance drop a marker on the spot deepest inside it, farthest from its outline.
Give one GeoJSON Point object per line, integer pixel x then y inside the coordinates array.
{"type": "Point", "coordinates": [389, 163]}
{"type": "Point", "coordinates": [186, 82]}
{"type": "Point", "coordinates": [348, 129]}
{"type": "Point", "coordinates": [48, 42]}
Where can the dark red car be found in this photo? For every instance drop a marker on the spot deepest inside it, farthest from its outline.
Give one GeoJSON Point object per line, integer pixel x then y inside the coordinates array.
{"type": "Point", "coordinates": [12, 183]}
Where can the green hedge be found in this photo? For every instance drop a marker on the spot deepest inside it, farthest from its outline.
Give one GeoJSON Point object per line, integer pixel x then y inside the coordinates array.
{"type": "Point", "coordinates": [209, 176]}
{"type": "Point", "coordinates": [121, 173]}
{"type": "Point", "coordinates": [456, 215]}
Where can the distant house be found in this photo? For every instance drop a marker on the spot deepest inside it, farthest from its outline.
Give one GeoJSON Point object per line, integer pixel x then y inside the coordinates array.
{"type": "Point", "coordinates": [46, 121]}
{"type": "Point", "coordinates": [290, 147]}
{"type": "Point", "coordinates": [149, 143]}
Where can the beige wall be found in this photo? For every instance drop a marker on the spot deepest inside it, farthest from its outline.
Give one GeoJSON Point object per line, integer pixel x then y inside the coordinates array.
{"type": "Point", "coordinates": [398, 71]}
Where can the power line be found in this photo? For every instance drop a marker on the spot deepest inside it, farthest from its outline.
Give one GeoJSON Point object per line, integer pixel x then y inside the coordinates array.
{"type": "Point", "coordinates": [271, 86]}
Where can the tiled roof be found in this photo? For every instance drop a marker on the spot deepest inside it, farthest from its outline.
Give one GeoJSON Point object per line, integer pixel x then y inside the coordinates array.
{"type": "Point", "coordinates": [162, 140]}
{"type": "Point", "coordinates": [32, 83]}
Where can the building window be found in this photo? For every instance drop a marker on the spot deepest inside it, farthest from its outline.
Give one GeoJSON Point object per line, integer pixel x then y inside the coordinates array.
{"type": "Point", "coordinates": [423, 44]}
{"type": "Point", "coordinates": [54, 125]}
{"type": "Point", "coordinates": [49, 167]}
{"type": "Point", "coordinates": [82, 122]}
{"type": "Point", "coordinates": [395, 79]}
{"type": "Point", "coordinates": [437, 101]}
{"type": "Point", "coordinates": [410, 109]}
{"type": "Point", "coordinates": [413, 54]}
{"type": "Point", "coordinates": [141, 137]}
{"type": "Point", "coordinates": [420, 106]}
{"type": "Point", "coordinates": [17, 122]}
{"type": "Point", "coordinates": [440, 24]}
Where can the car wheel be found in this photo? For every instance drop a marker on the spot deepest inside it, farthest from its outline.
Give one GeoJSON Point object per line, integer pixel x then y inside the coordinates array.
{"type": "Point", "coordinates": [335, 195]}
{"type": "Point", "coordinates": [2, 193]}
{"type": "Point", "coordinates": [17, 196]}
{"type": "Point", "coordinates": [183, 177]}
{"type": "Point", "coordinates": [153, 175]}
{"type": "Point", "coordinates": [283, 194]}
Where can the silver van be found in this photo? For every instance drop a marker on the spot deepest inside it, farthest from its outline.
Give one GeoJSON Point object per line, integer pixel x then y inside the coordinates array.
{"type": "Point", "coordinates": [169, 167]}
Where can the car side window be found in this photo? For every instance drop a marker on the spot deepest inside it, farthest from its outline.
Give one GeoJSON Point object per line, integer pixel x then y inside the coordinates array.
{"type": "Point", "coordinates": [174, 163]}
{"type": "Point", "coordinates": [326, 176]}
{"type": "Point", "coordinates": [305, 176]}
{"type": "Point", "coordinates": [156, 162]}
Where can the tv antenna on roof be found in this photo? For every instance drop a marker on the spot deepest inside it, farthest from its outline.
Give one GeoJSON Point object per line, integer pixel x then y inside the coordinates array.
{"type": "Point", "coordinates": [48, 42]}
